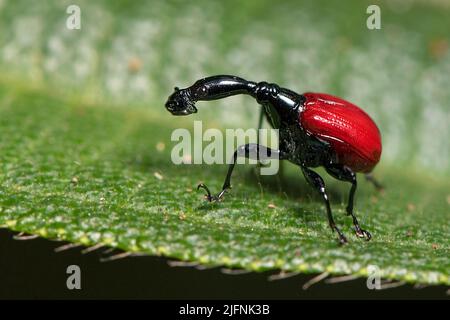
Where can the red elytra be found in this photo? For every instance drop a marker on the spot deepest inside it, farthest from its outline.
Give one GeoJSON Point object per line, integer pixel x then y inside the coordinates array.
{"type": "Point", "coordinates": [352, 134]}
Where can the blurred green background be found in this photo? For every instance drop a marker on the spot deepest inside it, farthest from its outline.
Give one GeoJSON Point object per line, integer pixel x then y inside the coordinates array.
{"type": "Point", "coordinates": [134, 52]}
{"type": "Point", "coordinates": [85, 138]}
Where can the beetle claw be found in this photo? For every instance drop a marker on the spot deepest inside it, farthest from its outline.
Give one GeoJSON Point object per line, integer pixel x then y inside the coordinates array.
{"type": "Point", "coordinates": [363, 234]}
{"type": "Point", "coordinates": [208, 195]}
{"type": "Point", "coordinates": [342, 239]}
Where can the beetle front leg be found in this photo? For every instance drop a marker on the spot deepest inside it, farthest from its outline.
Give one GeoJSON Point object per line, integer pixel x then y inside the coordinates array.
{"type": "Point", "coordinates": [250, 151]}
{"type": "Point", "coordinates": [260, 123]}
{"type": "Point", "coordinates": [344, 173]}
{"type": "Point", "coordinates": [317, 183]}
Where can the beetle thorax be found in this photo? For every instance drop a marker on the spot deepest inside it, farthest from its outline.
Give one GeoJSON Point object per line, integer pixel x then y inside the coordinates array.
{"type": "Point", "coordinates": [302, 148]}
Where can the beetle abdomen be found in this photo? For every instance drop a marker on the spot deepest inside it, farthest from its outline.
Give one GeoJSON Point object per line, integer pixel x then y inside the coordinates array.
{"type": "Point", "coordinates": [352, 134]}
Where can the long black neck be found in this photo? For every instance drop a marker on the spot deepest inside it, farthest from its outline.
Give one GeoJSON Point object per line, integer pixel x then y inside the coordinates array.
{"type": "Point", "coordinates": [218, 87]}
{"type": "Point", "coordinates": [285, 102]}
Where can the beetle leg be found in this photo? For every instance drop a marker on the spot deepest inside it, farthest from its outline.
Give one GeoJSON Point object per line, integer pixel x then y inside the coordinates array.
{"type": "Point", "coordinates": [374, 181]}
{"type": "Point", "coordinates": [260, 123]}
{"type": "Point", "coordinates": [317, 183]}
{"type": "Point", "coordinates": [250, 151]}
{"type": "Point", "coordinates": [344, 173]}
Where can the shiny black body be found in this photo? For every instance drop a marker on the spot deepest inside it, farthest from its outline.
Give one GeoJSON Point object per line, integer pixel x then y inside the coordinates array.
{"type": "Point", "coordinates": [281, 106]}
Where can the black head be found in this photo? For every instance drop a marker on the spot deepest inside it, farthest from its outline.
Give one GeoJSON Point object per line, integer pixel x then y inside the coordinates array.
{"type": "Point", "coordinates": [180, 103]}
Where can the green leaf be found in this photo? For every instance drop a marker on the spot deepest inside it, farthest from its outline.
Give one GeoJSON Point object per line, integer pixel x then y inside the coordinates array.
{"type": "Point", "coordinates": [92, 174]}
{"type": "Point", "coordinates": [82, 160]}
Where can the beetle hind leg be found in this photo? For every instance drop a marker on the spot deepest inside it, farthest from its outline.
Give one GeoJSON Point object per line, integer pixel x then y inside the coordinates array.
{"type": "Point", "coordinates": [374, 181]}
{"type": "Point", "coordinates": [344, 173]}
